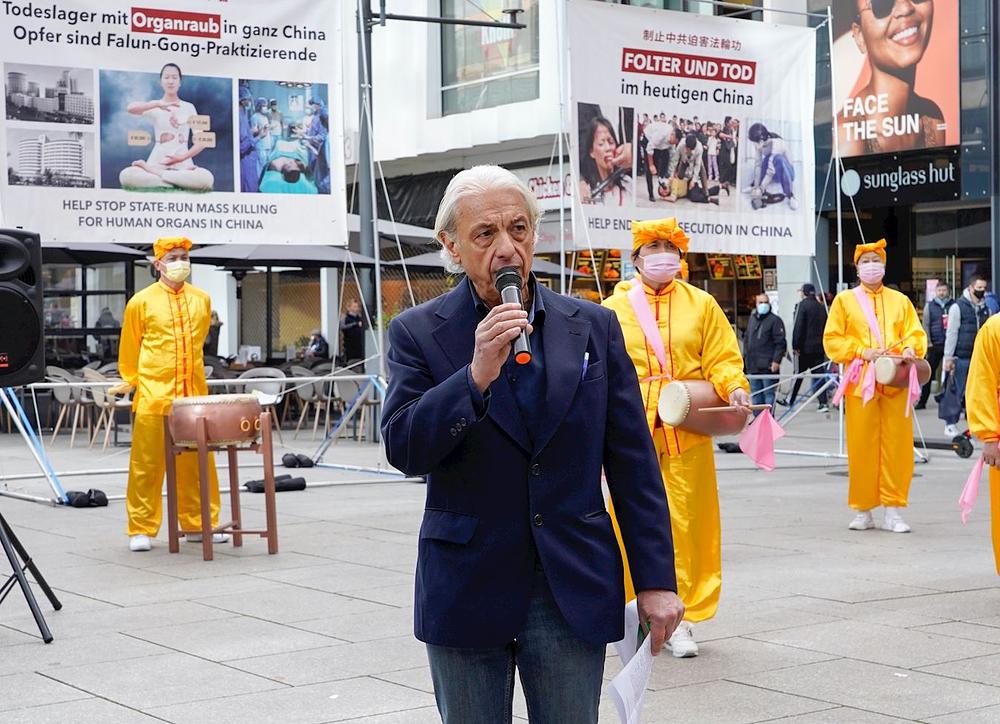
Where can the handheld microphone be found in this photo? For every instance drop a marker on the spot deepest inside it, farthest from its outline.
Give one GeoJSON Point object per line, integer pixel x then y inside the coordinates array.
{"type": "Point", "coordinates": [508, 283]}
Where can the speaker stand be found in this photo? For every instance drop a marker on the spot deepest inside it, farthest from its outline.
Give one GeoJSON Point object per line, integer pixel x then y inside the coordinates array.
{"type": "Point", "coordinates": [16, 554]}
{"type": "Point", "coordinates": [9, 399]}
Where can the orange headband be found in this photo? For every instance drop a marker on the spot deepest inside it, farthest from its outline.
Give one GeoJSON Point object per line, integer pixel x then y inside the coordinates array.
{"type": "Point", "coordinates": [878, 247]}
{"type": "Point", "coordinates": [162, 246]}
{"type": "Point", "coordinates": [646, 232]}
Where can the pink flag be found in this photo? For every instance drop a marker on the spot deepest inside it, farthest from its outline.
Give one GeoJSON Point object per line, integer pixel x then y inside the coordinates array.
{"type": "Point", "coordinates": [967, 500]}
{"type": "Point", "coordinates": [757, 441]}
{"type": "Point", "coordinates": [914, 389]}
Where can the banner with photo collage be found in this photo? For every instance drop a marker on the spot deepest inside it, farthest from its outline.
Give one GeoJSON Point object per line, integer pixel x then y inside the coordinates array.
{"type": "Point", "coordinates": [707, 119]}
{"type": "Point", "coordinates": [218, 121]}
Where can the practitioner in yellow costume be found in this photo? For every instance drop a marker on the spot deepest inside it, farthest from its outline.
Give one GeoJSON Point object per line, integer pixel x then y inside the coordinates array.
{"type": "Point", "coordinates": [699, 344]}
{"type": "Point", "coordinates": [160, 355]}
{"type": "Point", "coordinates": [983, 409]}
{"type": "Point", "coordinates": [879, 433]}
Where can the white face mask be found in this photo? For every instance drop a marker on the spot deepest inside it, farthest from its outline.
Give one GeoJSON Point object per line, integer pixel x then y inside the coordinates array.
{"type": "Point", "coordinates": [177, 271]}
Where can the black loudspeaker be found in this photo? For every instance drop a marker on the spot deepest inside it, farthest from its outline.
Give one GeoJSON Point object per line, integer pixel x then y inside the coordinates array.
{"type": "Point", "coordinates": [22, 345]}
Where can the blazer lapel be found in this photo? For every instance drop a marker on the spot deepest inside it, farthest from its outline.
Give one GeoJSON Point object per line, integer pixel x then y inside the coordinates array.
{"type": "Point", "coordinates": [565, 342]}
{"type": "Point", "coordinates": [456, 336]}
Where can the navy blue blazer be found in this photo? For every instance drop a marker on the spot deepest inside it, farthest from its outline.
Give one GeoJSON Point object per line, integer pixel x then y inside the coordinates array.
{"type": "Point", "coordinates": [490, 490]}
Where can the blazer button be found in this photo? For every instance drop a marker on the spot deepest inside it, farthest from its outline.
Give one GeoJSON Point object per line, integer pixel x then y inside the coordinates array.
{"type": "Point", "coordinates": [536, 470]}
{"type": "Point", "coordinates": [538, 520]}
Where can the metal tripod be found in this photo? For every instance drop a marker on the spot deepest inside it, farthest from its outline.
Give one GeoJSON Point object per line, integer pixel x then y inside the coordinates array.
{"type": "Point", "coordinates": [16, 554]}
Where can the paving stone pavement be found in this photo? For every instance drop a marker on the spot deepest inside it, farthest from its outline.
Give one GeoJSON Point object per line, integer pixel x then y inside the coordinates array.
{"type": "Point", "coordinates": [818, 624]}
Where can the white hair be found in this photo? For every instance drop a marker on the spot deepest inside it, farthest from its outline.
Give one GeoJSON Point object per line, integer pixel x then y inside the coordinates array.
{"type": "Point", "coordinates": [472, 182]}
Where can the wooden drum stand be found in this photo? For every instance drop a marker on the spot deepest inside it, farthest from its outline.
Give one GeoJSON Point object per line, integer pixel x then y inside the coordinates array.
{"type": "Point", "coordinates": [262, 446]}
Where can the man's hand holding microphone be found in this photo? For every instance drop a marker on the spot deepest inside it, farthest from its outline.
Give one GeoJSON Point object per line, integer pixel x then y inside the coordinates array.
{"type": "Point", "coordinates": [498, 330]}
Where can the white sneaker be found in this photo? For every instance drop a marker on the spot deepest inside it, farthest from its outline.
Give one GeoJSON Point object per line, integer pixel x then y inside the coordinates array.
{"type": "Point", "coordinates": [893, 521]}
{"type": "Point", "coordinates": [950, 431]}
{"type": "Point", "coordinates": [823, 408]}
{"type": "Point", "coordinates": [681, 643]}
{"type": "Point", "coordinates": [216, 538]}
{"type": "Point", "coordinates": [862, 521]}
{"type": "Point", "coordinates": [139, 543]}
{"type": "Point", "coordinates": [793, 203]}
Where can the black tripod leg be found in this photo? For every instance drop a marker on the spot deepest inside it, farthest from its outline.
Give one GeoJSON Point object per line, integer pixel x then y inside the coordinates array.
{"type": "Point", "coordinates": [22, 580]}
{"type": "Point", "coordinates": [30, 565]}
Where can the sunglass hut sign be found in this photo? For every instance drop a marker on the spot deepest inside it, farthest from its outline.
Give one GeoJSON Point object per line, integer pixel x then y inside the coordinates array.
{"type": "Point", "coordinates": [902, 178]}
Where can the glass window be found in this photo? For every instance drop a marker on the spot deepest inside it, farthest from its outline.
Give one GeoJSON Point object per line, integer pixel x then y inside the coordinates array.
{"type": "Point", "coordinates": [483, 67]}
{"type": "Point", "coordinates": [106, 276]}
{"type": "Point", "coordinates": [63, 313]}
{"type": "Point", "coordinates": [64, 277]}
{"type": "Point", "coordinates": [79, 298]}
{"type": "Point", "coordinates": [975, 118]}
{"type": "Point", "coordinates": [297, 307]}
{"type": "Point", "coordinates": [972, 16]}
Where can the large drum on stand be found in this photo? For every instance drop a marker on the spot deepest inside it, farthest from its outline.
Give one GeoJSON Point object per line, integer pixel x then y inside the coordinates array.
{"type": "Point", "coordinates": [682, 403]}
{"type": "Point", "coordinates": [895, 371]}
{"type": "Point", "coordinates": [229, 419]}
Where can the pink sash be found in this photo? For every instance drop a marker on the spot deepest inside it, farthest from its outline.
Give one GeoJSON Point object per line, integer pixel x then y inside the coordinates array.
{"type": "Point", "coordinates": [869, 310]}
{"type": "Point", "coordinates": [868, 381]}
{"type": "Point", "coordinates": [914, 393]}
{"type": "Point", "coordinates": [650, 330]}
{"type": "Point", "coordinates": [849, 376]}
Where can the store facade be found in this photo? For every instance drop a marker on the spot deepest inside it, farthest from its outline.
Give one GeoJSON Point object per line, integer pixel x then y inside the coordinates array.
{"type": "Point", "coordinates": [932, 204]}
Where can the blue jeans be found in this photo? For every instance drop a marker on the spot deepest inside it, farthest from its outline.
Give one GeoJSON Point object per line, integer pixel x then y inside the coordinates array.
{"type": "Point", "coordinates": [560, 674]}
{"type": "Point", "coordinates": [758, 397]}
{"type": "Point", "coordinates": [961, 376]}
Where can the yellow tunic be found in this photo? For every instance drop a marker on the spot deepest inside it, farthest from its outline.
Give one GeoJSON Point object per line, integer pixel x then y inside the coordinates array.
{"type": "Point", "coordinates": [700, 345]}
{"type": "Point", "coordinates": [160, 354]}
{"type": "Point", "coordinates": [879, 435]}
{"type": "Point", "coordinates": [981, 393]}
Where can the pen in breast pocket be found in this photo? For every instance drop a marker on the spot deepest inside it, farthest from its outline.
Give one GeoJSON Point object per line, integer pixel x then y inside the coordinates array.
{"type": "Point", "coordinates": [586, 363]}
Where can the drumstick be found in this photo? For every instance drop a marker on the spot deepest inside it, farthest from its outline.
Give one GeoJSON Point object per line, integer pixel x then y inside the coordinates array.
{"type": "Point", "coordinates": [896, 344]}
{"type": "Point", "coordinates": [733, 408]}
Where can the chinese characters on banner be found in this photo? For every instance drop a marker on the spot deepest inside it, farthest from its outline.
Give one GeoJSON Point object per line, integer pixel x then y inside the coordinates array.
{"type": "Point", "coordinates": [707, 119]}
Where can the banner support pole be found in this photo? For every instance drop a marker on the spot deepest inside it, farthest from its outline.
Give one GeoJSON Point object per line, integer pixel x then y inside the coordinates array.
{"type": "Point", "coordinates": [835, 159]}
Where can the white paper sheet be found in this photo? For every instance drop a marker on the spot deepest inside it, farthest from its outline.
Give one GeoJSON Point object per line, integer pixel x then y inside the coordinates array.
{"type": "Point", "coordinates": [627, 646]}
{"type": "Point", "coordinates": [628, 689]}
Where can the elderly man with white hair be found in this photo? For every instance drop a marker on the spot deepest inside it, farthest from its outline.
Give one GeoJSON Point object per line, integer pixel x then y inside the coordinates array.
{"type": "Point", "coordinates": [517, 565]}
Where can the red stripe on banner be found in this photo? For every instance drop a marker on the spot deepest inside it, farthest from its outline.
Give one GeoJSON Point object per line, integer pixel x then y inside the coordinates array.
{"type": "Point", "coordinates": [680, 65]}
{"type": "Point", "coordinates": [174, 22]}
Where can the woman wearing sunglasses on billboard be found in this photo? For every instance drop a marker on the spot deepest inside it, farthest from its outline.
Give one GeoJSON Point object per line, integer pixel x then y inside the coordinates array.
{"type": "Point", "coordinates": [887, 115]}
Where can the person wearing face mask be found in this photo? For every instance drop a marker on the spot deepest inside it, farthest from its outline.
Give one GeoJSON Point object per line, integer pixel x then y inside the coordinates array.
{"type": "Point", "coordinates": [161, 357]}
{"type": "Point", "coordinates": [865, 323]}
{"type": "Point", "coordinates": [699, 344]}
{"type": "Point", "coordinates": [764, 347]}
{"type": "Point", "coordinates": [965, 318]}
{"type": "Point", "coordinates": [935, 325]}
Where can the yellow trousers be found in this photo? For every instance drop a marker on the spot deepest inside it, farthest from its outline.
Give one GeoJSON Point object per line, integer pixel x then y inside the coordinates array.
{"type": "Point", "coordinates": [693, 496]}
{"type": "Point", "coordinates": [146, 470]}
{"type": "Point", "coordinates": [879, 450]}
{"type": "Point", "coordinates": [995, 514]}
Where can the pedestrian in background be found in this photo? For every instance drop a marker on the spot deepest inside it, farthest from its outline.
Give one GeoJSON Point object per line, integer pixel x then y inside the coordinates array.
{"type": "Point", "coordinates": [807, 343]}
{"type": "Point", "coordinates": [965, 318]}
{"type": "Point", "coordinates": [935, 325]}
{"type": "Point", "coordinates": [764, 346]}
